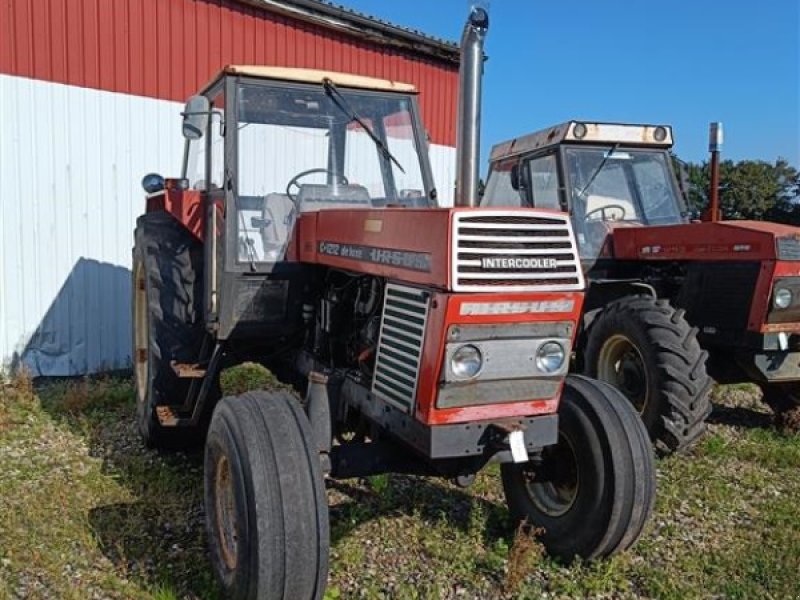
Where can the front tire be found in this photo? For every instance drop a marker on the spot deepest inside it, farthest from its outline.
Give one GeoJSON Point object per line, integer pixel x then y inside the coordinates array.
{"type": "Point", "coordinates": [645, 348]}
{"type": "Point", "coordinates": [592, 492]}
{"type": "Point", "coordinates": [266, 507]}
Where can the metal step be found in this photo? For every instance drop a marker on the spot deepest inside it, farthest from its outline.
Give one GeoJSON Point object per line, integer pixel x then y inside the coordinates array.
{"type": "Point", "coordinates": [188, 370]}
{"type": "Point", "coordinates": [168, 416]}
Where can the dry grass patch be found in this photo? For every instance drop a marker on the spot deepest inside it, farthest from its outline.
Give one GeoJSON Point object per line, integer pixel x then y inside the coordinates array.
{"type": "Point", "coordinates": [87, 512]}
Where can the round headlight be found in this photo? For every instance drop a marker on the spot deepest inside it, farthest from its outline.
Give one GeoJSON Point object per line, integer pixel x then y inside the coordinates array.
{"type": "Point", "coordinates": [550, 357]}
{"type": "Point", "coordinates": [782, 298]}
{"type": "Point", "coordinates": [467, 361]}
{"type": "Point", "coordinates": [579, 131]}
{"type": "Point", "coordinates": [660, 134]}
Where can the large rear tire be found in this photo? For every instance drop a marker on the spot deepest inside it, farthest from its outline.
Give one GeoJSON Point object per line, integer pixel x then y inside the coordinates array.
{"type": "Point", "coordinates": [167, 323]}
{"type": "Point", "coordinates": [593, 491]}
{"type": "Point", "coordinates": [645, 348]}
{"type": "Point", "coordinates": [266, 507]}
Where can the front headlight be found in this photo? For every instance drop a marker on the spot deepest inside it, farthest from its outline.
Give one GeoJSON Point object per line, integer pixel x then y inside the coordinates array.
{"type": "Point", "coordinates": [550, 357]}
{"type": "Point", "coordinates": [782, 298]}
{"type": "Point", "coordinates": [467, 361]}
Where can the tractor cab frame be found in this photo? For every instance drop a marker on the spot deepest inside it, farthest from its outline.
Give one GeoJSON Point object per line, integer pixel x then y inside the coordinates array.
{"type": "Point", "coordinates": [665, 293]}
{"type": "Point", "coordinates": [605, 175]}
{"type": "Point", "coordinates": [277, 143]}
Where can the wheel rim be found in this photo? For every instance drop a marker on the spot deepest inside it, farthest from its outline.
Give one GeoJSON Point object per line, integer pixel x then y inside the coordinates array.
{"type": "Point", "coordinates": [621, 364]}
{"type": "Point", "coordinates": [556, 494]}
{"type": "Point", "coordinates": [141, 328]}
{"type": "Point", "coordinates": [227, 531]}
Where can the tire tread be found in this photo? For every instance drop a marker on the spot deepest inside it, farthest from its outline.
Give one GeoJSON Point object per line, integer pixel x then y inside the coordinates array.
{"type": "Point", "coordinates": [679, 362]}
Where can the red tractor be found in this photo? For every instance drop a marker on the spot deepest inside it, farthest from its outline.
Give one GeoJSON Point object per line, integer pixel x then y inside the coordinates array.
{"type": "Point", "coordinates": [304, 234]}
{"type": "Point", "coordinates": [669, 300]}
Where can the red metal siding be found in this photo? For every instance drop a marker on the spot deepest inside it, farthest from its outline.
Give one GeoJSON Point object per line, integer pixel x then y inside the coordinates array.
{"type": "Point", "coordinates": [168, 48]}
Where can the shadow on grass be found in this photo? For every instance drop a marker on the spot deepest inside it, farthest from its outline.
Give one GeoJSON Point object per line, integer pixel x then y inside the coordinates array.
{"type": "Point", "coordinates": [740, 417]}
{"type": "Point", "coordinates": [157, 540]}
{"type": "Point", "coordinates": [428, 499]}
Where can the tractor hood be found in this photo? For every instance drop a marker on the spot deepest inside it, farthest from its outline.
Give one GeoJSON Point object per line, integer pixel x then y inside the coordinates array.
{"type": "Point", "coordinates": [720, 241]}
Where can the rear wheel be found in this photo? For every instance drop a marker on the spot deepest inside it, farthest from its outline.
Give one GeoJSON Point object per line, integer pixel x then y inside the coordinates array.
{"type": "Point", "coordinates": [784, 400]}
{"type": "Point", "coordinates": [266, 508]}
{"type": "Point", "coordinates": [167, 323]}
{"type": "Point", "coordinates": [592, 492]}
{"type": "Point", "coordinates": [645, 348]}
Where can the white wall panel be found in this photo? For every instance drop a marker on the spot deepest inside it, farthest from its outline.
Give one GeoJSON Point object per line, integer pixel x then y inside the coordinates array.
{"type": "Point", "coordinates": [443, 165]}
{"type": "Point", "coordinates": [71, 162]}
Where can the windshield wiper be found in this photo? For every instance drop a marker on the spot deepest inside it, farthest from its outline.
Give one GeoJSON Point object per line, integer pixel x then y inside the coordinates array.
{"type": "Point", "coordinates": [597, 170]}
{"type": "Point", "coordinates": [336, 97]}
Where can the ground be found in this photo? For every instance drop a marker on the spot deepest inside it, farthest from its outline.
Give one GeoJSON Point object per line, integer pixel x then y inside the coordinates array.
{"type": "Point", "coordinates": [87, 512]}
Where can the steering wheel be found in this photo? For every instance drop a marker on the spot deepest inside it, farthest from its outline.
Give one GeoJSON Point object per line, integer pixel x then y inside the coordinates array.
{"type": "Point", "coordinates": [602, 210]}
{"type": "Point", "coordinates": [293, 181]}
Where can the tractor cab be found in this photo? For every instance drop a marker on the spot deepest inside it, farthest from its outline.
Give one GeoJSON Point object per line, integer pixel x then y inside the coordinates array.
{"type": "Point", "coordinates": [297, 141]}
{"type": "Point", "coordinates": [265, 145]}
{"type": "Point", "coordinates": [604, 175]}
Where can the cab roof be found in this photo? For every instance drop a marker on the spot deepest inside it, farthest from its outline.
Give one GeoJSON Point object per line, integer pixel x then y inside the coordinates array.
{"type": "Point", "coordinates": [584, 132]}
{"type": "Point", "coordinates": [346, 80]}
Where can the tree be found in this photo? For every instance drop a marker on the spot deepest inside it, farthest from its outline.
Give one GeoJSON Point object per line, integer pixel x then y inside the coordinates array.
{"type": "Point", "coordinates": [749, 189]}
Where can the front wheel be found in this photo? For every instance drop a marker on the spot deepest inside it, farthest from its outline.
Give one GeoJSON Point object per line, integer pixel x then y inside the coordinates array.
{"type": "Point", "coordinates": [646, 349]}
{"type": "Point", "coordinates": [265, 501]}
{"type": "Point", "coordinates": [592, 493]}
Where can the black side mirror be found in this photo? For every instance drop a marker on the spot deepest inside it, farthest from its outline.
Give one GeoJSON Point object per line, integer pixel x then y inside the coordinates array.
{"type": "Point", "coordinates": [195, 117]}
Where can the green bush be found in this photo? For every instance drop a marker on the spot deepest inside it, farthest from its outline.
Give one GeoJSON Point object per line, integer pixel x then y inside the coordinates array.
{"type": "Point", "coordinates": [246, 377]}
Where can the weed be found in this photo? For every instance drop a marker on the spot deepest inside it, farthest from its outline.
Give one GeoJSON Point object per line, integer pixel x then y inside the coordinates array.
{"type": "Point", "coordinates": [526, 552]}
{"type": "Point", "coordinates": [714, 445]}
{"type": "Point", "coordinates": [381, 485]}
{"type": "Point", "coordinates": [246, 377]}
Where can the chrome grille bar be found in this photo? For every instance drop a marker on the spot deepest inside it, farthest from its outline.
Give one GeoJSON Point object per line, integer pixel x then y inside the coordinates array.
{"type": "Point", "coordinates": [514, 251]}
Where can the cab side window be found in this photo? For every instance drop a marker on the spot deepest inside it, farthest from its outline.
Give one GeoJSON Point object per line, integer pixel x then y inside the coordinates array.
{"type": "Point", "coordinates": [499, 190]}
{"type": "Point", "coordinates": [543, 178]}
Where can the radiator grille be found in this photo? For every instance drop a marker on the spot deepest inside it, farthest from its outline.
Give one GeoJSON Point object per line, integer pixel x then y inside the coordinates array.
{"type": "Point", "coordinates": [788, 248]}
{"type": "Point", "coordinates": [516, 252]}
{"type": "Point", "coordinates": [405, 314]}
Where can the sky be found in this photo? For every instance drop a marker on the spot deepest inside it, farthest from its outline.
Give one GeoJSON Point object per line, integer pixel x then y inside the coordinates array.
{"type": "Point", "coordinates": [684, 63]}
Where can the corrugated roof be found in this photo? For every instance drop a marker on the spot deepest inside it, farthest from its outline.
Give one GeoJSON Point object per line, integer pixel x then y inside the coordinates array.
{"type": "Point", "coordinates": [341, 18]}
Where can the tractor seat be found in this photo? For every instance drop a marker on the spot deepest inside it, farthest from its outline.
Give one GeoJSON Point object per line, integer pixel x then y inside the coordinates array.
{"type": "Point", "coordinates": [314, 196]}
{"type": "Point", "coordinates": [279, 219]}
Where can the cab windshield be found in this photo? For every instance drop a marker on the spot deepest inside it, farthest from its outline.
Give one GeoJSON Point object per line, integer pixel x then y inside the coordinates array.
{"type": "Point", "coordinates": [610, 184]}
{"type": "Point", "coordinates": [303, 148]}
{"type": "Point", "coordinates": [622, 186]}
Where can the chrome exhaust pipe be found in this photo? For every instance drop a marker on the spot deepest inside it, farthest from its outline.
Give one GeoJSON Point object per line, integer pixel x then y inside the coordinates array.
{"type": "Point", "coordinates": [468, 127]}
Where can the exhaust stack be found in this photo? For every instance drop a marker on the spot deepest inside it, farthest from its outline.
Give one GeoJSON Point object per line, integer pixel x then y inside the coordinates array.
{"type": "Point", "coordinates": [468, 128]}
{"type": "Point", "coordinates": [714, 147]}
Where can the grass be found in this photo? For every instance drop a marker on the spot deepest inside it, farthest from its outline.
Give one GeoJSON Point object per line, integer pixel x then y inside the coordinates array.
{"type": "Point", "coordinates": [86, 511]}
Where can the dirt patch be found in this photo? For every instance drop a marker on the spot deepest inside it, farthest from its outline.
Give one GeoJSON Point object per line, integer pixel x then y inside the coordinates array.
{"type": "Point", "coordinates": [788, 420]}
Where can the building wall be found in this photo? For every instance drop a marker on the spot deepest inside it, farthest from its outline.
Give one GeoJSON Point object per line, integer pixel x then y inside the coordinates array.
{"type": "Point", "coordinates": [90, 96]}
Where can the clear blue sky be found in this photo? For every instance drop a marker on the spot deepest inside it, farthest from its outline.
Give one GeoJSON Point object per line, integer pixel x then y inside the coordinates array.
{"type": "Point", "coordinates": [681, 62]}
